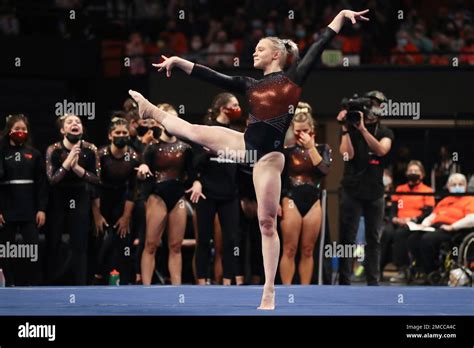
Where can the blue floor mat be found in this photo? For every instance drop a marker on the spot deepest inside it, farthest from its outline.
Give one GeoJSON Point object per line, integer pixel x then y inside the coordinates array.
{"type": "Point", "coordinates": [242, 300]}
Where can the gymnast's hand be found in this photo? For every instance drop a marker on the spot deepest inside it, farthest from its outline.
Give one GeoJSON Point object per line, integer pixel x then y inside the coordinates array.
{"type": "Point", "coordinates": [339, 20]}
{"type": "Point", "coordinates": [167, 63]}
{"type": "Point", "coordinates": [355, 16]}
{"type": "Point", "coordinates": [100, 222]}
{"type": "Point", "coordinates": [196, 192]}
{"type": "Point", "coordinates": [123, 226]}
{"type": "Point", "coordinates": [143, 172]}
{"type": "Point", "coordinates": [40, 219]}
{"type": "Point", "coordinates": [2, 220]}
{"type": "Point", "coordinates": [306, 139]}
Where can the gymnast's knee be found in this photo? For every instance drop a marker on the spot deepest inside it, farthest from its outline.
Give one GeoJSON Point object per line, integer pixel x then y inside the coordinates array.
{"type": "Point", "coordinates": [268, 226]}
{"type": "Point", "coordinates": [150, 247]}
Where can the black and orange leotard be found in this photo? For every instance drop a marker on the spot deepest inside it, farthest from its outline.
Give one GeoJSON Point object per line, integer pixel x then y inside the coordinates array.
{"type": "Point", "coordinates": [301, 179]}
{"type": "Point", "coordinates": [171, 165]}
{"type": "Point", "coordinates": [272, 99]}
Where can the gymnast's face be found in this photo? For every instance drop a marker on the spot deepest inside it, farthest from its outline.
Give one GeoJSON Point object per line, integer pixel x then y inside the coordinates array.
{"type": "Point", "coordinates": [264, 54]}
{"type": "Point", "coordinates": [148, 122]}
{"type": "Point", "coordinates": [19, 126]}
{"type": "Point", "coordinates": [119, 131]}
{"type": "Point", "coordinates": [302, 127]}
{"type": "Point", "coordinates": [73, 125]}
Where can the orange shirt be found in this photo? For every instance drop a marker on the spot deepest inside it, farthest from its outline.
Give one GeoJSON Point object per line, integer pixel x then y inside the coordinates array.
{"type": "Point", "coordinates": [411, 206]}
{"type": "Point", "coordinates": [403, 59]}
{"type": "Point", "coordinates": [451, 209]}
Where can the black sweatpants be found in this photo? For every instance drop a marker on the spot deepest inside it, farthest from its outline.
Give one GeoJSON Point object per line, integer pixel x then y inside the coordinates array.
{"type": "Point", "coordinates": [351, 211]}
{"type": "Point", "coordinates": [69, 212]}
{"type": "Point", "coordinates": [115, 252]}
{"type": "Point", "coordinates": [11, 266]}
{"type": "Point", "coordinates": [228, 212]}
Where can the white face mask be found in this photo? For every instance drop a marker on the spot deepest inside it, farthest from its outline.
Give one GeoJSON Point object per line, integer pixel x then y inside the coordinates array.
{"type": "Point", "coordinates": [387, 180]}
{"type": "Point", "coordinates": [196, 45]}
{"type": "Point", "coordinates": [457, 189]}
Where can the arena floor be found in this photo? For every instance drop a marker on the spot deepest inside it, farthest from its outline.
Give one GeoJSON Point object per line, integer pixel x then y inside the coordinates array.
{"type": "Point", "coordinates": [219, 300]}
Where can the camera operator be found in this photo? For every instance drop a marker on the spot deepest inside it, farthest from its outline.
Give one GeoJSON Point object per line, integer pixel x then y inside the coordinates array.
{"type": "Point", "coordinates": [364, 145]}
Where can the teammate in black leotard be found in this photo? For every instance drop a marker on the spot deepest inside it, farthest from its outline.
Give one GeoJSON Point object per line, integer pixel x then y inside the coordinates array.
{"type": "Point", "coordinates": [272, 101]}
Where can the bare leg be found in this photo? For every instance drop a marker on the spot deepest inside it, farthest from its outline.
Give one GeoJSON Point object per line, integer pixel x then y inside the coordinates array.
{"type": "Point", "coordinates": [266, 178]}
{"type": "Point", "coordinates": [213, 137]}
{"type": "Point", "coordinates": [155, 224]}
{"type": "Point", "coordinates": [309, 236]}
{"type": "Point", "coordinates": [176, 230]}
{"type": "Point", "coordinates": [291, 230]}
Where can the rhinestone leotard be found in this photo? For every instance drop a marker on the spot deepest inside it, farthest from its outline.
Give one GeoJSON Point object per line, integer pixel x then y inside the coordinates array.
{"type": "Point", "coordinates": [272, 99]}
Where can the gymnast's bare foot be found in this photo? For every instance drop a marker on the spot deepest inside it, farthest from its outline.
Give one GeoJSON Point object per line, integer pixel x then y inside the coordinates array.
{"type": "Point", "coordinates": [145, 108]}
{"type": "Point", "coordinates": [268, 299]}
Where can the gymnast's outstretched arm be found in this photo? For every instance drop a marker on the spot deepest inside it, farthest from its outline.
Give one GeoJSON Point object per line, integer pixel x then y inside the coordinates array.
{"type": "Point", "coordinates": [299, 70]}
{"type": "Point", "coordinates": [236, 84]}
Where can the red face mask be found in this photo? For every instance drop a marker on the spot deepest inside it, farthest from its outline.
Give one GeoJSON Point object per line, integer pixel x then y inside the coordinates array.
{"type": "Point", "coordinates": [233, 113]}
{"type": "Point", "coordinates": [18, 137]}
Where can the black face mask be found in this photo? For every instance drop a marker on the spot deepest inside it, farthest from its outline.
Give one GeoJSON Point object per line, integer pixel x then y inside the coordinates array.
{"type": "Point", "coordinates": [413, 179]}
{"type": "Point", "coordinates": [141, 130]}
{"type": "Point", "coordinates": [73, 138]}
{"type": "Point", "coordinates": [121, 142]}
{"type": "Point", "coordinates": [156, 132]}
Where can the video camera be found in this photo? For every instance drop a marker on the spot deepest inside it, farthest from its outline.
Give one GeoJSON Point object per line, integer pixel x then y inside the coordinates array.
{"type": "Point", "coordinates": [354, 105]}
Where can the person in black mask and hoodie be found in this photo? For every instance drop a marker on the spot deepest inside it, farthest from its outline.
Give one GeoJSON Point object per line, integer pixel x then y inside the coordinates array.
{"type": "Point", "coordinates": [216, 192]}
{"type": "Point", "coordinates": [23, 197]}
{"type": "Point", "coordinates": [364, 146]}
{"type": "Point", "coordinates": [72, 166]}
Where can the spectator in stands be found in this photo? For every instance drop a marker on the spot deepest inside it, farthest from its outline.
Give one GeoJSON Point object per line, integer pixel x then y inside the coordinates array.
{"type": "Point", "coordinates": [444, 167]}
{"type": "Point", "coordinates": [405, 208]}
{"type": "Point", "coordinates": [222, 52]}
{"type": "Point", "coordinates": [405, 53]}
{"type": "Point", "coordinates": [452, 215]}
{"type": "Point", "coordinates": [135, 50]}
{"type": "Point", "coordinates": [453, 33]}
{"type": "Point", "coordinates": [197, 53]}
{"type": "Point", "coordinates": [175, 39]}
{"type": "Point", "coordinates": [467, 51]}
{"type": "Point", "coordinates": [9, 24]}
{"type": "Point", "coordinates": [420, 39]}
{"type": "Point", "coordinates": [442, 48]}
